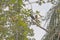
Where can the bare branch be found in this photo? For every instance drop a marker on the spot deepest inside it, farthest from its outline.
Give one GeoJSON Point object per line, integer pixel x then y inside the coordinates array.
{"type": "Point", "coordinates": [41, 27]}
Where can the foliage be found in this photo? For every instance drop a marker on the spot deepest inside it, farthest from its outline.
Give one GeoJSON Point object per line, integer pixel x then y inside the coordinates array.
{"type": "Point", "coordinates": [54, 25]}
{"type": "Point", "coordinates": [13, 24]}
{"type": "Point", "coordinates": [14, 19]}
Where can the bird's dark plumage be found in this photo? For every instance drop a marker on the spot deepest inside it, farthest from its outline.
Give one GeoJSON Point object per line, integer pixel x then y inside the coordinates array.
{"type": "Point", "coordinates": [32, 16]}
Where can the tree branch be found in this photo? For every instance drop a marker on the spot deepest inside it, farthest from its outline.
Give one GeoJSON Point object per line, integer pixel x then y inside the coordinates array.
{"type": "Point", "coordinates": [41, 27]}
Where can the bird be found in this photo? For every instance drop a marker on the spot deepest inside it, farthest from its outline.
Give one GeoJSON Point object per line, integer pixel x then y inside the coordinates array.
{"type": "Point", "coordinates": [32, 16]}
{"type": "Point", "coordinates": [37, 18]}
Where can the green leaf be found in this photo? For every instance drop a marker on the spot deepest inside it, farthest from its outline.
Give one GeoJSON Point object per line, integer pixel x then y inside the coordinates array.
{"type": "Point", "coordinates": [12, 1]}
{"type": "Point", "coordinates": [22, 23]}
{"type": "Point", "coordinates": [25, 33]}
{"type": "Point", "coordinates": [20, 2]}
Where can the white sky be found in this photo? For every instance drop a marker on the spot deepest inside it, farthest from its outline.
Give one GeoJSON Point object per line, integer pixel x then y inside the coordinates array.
{"type": "Point", "coordinates": [43, 9]}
